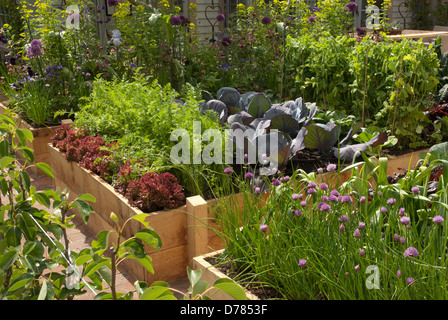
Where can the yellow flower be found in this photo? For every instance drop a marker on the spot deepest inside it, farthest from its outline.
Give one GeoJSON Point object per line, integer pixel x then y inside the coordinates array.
{"type": "Point", "coordinates": [193, 6]}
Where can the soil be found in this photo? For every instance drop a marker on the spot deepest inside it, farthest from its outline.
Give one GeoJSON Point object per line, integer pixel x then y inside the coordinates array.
{"type": "Point", "coordinates": [263, 292]}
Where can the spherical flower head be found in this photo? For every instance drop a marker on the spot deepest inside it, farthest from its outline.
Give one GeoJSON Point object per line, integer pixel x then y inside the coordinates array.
{"type": "Point", "coordinates": [396, 237]}
{"type": "Point", "coordinates": [298, 213]}
{"type": "Point", "coordinates": [257, 190]}
{"type": "Point", "coordinates": [383, 209]}
{"type": "Point", "coordinates": [263, 228]}
{"type": "Point", "coordinates": [302, 263]}
{"type": "Point", "coordinates": [334, 193]}
{"type": "Point", "coordinates": [35, 48]}
{"type": "Point", "coordinates": [409, 280]}
{"type": "Point", "coordinates": [323, 186]}
{"type": "Point", "coordinates": [228, 170]}
{"type": "Point", "coordinates": [303, 203]}
{"type": "Point", "coordinates": [391, 201]}
{"type": "Point", "coordinates": [312, 19]}
{"type": "Point", "coordinates": [325, 198]}
{"type": "Point", "coordinates": [175, 21]}
{"type": "Point", "coordinates": [333, 198]}
{"type": "Point", "coordinates": [312, 185]}
{"type": "Point", "coordinates": [352, 7]}
{"type": "Point", "coordinates": [404, 221]}
{"type": "Point", "coordinates": [437, 219]}
{"type": "Point", "coordinates": [357, 234]}
{"type": "Point", "coordinates": [276, 182]}
{"type": "Point", "coordinates": [295, 196]}
{"type": "Point", "coordinates": [266, 20]}
{"type": "Point", "coordinates": [415, 190]}
{"type": "Point", "coordinates": [226, 42]}
{"type": "Point", "coordinates": [399, 273]}
{"type": "Point", "coordinates": [220, 17]}
{"type": "Point", "coordinates": [331, 167]}
{"type": "Point", "coordinates": [311, 191]}
{"type": "Point", "coordinates": [362, 199]}
{"type": "Point", "coordinates": [249, 175]}
{"type": "Point", "coordinates": [286, 179]}
{"type": "Point", "coordinates": [362, 226]}
{"type": "Point", "coordinates": [357, 267]}
{"type": "Point", "coordinates": [343, 218]}
{"type": "Point", "coordinates": [401, 212]}
{"type": "Point", "coordinates": [341, 227]}
{"type": "Point", "coordinates": [112, 3]}
{"type": "Point", "coordinates": [402, 240]}
{"type": "Point", "coordinates": [361, 252]}
{"type": "Point", "coordinates": [325, 207]}
{"type": "Point", "coordinates": [346, 199]}
{"type": "Point", "coordinates": [411, 252]}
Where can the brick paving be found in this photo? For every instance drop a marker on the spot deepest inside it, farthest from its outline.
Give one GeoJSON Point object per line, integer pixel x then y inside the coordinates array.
{"type": "Point", "coordinates": [80, 238]}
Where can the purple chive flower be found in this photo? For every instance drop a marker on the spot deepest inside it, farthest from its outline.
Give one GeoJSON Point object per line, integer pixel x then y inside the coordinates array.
{"type": "Point", "coordinates": [312, 19]}
{"type": "Point", "coordinates": [391, 201]}
{"type": "Point", "coordinates": [228, 170]}
{"type": "Point", "coordinates": [263, 228]}
{"type": "Point", "coordinates": [266, 20]}
{"type": "Point", "coordinates": [334, 193]}
{"type": "Point", "coordinates": [87, 74]}
{"type": "Point", "coordinates": [357, 267]}
{"type": "Point", "coordinates": [352, 7]}
{"type": "Point", "coordinates": [220, 17]}
{"type": "Point", "coordinates": [361, 225]}
{"type": "Point", "coordinates": [341, 227]}
{"type": "Point", "coordinates": [343, 218]}
{"type": "Point", "coordinates": [325, 198]}
{"type": "Point", "coordinates": [302, 263]}
{"type": "Point", "coordinates": [323, 186]}
{"type": "Point", "coordinates": [346, 199]}
{"type": "Point", "coordinates": [257, 190]}
{"type": "Point", "coordinates": [298, 213]}
{"type": "Point", "coordinates": [35, 48]}
{"type": "Point", "coordinates": [333, 198]}
{"type": "Point", "coordinates": [311, 191]}
{"type": "Point", "coordinates": [320, 170]}
{"type": "Point", "coordinates": [249, 175]}
{"type": "Point", "coordinates": [362, 199]}
{"type": "Point", "coordinates": [357, 234]}
{"type": "Point", "coordinates": [276, 182]}
{"type": "Point", "coordinates": [415, 190]}
{"type": "Point", "coordinates": [380, 194]}
{"type": "Point", "coordinates": [112, 3]}
{"type": "Point", "coordinates": [399, 273]}
{"type": "Point", "coordinates": [312, 185]}
{"type": "Point", "coordinates": [383, 209]}
{"type": "Point", "coordinates": [411, 252]}
{"type": "Point", "coordinates": [295, 196]}
{"type": "Point", "coordinates": [396, 237]}
{"type": "Point", "coordinates": [409, 280]}
{"type": "Point", "coordinates": [303, 203]}
{"type": "Point", "coordinates": [361, 252]}
{"type": "Point", "coordinates": [331, 167]}
{"type": "Point", "coordinates": [401, 212]}
{"type": "Point", "coordinates": [286, 179]}
{"type": "Point", "coordinates": [175, 21]}
{"type": "Point", "coordinates": [325, 207]}
{"type": "Point", "coordinates": [402, 240]}
{"type": "Point", "coordinates": [404, 221]}
{"type": "Point", "coordinates": [438, 219]}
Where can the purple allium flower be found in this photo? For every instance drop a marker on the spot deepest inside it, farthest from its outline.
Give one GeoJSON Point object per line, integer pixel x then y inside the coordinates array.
{"type": "Point", "coordinates": [347, 274]}
{"type": "Point", "coordinates": [361, 225]}
{"type": "Point", "coordinates": [341, 227]}
{"type": "Point", "coordinates": [226, 42]}
{"type": "Point", "coordinates": [35, 48]}
{"type": "Point", "coordinates": [276, 182]}
{"type": "Point", "coordinates": [357, 267]}
{"type": "Point", "coordinates": [357, 234]}
{"type": "Point", "coordinates": [438, 219]}
{"type": "Point", "coordinates": [295, 196]}
{"type": "Point", "coordinates": [403, 240]}
{"type": "Point", "coordinates": [396, 237]}
{"type": "Point", "coordinates": [383, 209]}
{"type": "Point", "coordinates": [401, 212]}
{"type": "Point", "coordinates": [380, 194]}
{"type": "Point", "coordinates": [228, 170]}
{"type": "Point", "coordinates": [334, 193]}
{"type": "Point", "coordinates": [391, 201]}
{"type": "Point", "coordinates": [312, 19]}
{"type": "Point", "coordinates": [112, 3]}
{"type": "Point", "coordinates": [286, 179]}
{"type": "Point", "coordinates": [320, 170]}
{"type": "Point", "coordinates": [331, 167]}
{"type": "Point", "coordinates": [352, 7]}
{"type": "Point", "coordinates": [399, 273]}
{"type": "Point", "coordinates": [325, 207]}
{"type": "Point", "coordinates": [87, 74]}
{"type": "Point", "coordinates": [362, 199]}
{"type": "Point", "coordinates": [323, 186]}
{"type": "Point", "coordinates": [311, 191]}
{"type": "Point", "coordinates": [47, 85]}
{"type": "Point", "coordinates": [312, 185]}
{"type": "Point", "coordinates": [346, 199]}
{"type": "Point", "coordinates": [415, 190]}
{"type": "Point", "coordinates": [266, 20]}
{"type": "Point", "coordinates": [175, 21]}
{"type": "Point", "coordinates": [361, 252]}
{"type": "Point", "coordinates": [298, 213]}
{"type": "Point", "coordinates": [333, 198]}
{"type": "Point", "coordinates": [409, 280]}
{"type": "Point", "coordinates": [404, 221]}
{"type": "Point", "coordinates": [302, 263]}
{"type": "Point", "coordinates": [411, 252]}
{"type": "Point", "coordinates": [257, 190]}
{"type": "Point", "coordinates": [343, 218]}
{"type": "Point", "coordinates": [325, 198]}
{"type": "Point", "coordinates": [263, 228]}
{"type": "Point", "coordinates": [249, 175]}
{"type": "Point", "coordinates": [303, 203]}
{"type": "Point", "coordinates": [220, 17]}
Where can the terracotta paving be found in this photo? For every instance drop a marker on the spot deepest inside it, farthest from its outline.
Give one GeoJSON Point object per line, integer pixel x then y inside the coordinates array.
{"type": "Point", "coordinates": [80, 237]}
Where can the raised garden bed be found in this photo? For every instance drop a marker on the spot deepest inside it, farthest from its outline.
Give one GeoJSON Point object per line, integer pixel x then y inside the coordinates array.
{"type": "Point", "coordinates": [183, 235]}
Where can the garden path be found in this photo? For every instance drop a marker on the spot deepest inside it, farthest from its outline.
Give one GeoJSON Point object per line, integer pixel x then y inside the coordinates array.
{"type": "Point", "coordinates": [80, 237]}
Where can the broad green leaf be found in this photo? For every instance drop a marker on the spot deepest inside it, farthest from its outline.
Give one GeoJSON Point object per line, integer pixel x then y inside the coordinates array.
{"type": "Point", "coordinates": [141, 217]}
{"type": "Point", "coordinates": [87, 197]}
{"type": "Point", "coordinates": [146, 262]}
{"type": "Point", "coordinates": [193, 276]}
{"type": "Point", "coordinates": [6, 161]}
{"type": "Point", "coordinates": [83, 259]}
{"type": "Point", "coordinates": [157, 293]}
{"type": "Point", "coordinates": [150, 237]}
{"type": "Point", "coordinates": [8, 259]}
{"type": "Point", "coordinates": [21, 282]}
{"type": "Point", "coordinates": [43, 291]}
{"type": "Point", "coordinates": [83, 208]}
{"type": "Point", "coordinates": [102, 242]}
{"type": "Point", "coordinates": [231, 288]}
{"type": "Point", "coordinates": [200, 287]}
{"type": "Point", "coordinates": [135, 247]}
{"type": "Point", "coordinates": [45, 168]}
